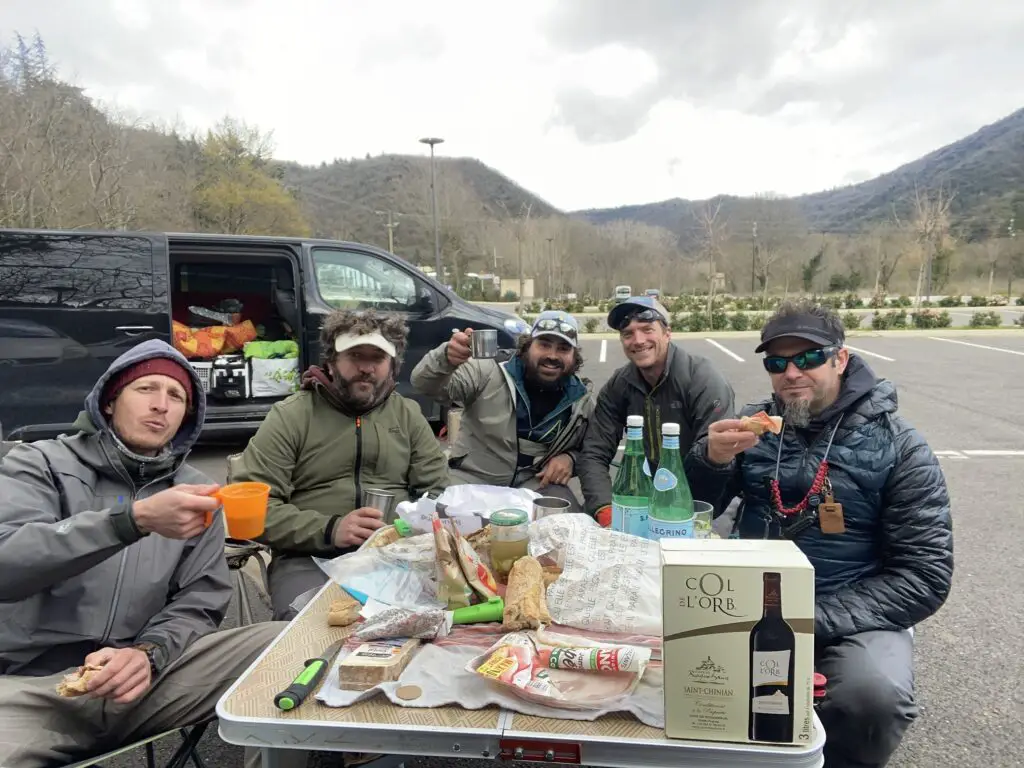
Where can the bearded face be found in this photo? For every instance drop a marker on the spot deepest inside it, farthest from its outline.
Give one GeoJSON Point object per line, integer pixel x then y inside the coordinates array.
{"type": "Point", "coordinates": [362, 374]}
{"type": "Point", "coordinates": [549, 360]}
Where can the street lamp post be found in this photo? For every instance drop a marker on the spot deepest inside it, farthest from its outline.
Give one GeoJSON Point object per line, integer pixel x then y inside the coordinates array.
{"type": "Point", "coordinates": [433, 208]}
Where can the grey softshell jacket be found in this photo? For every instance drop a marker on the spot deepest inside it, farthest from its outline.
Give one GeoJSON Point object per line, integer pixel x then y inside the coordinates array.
{"type": "Point", "coordinates": [77, 575]}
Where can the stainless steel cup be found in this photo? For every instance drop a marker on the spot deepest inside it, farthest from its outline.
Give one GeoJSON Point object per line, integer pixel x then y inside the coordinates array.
{"type": "Point", "coordinates": [484, 343]}
{"type": "Point", "coordinates": [549, 505]}
{"type": "Point", "coordinates": [383, 501]}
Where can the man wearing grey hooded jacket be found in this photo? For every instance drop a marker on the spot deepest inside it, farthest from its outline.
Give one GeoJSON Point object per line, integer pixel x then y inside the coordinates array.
{"type": "Point", "coordinates": [107, 560]}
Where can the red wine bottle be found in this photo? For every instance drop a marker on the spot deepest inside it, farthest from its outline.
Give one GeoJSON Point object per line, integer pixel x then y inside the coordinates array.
{"type": "Point", "coordinates": [772, 647]}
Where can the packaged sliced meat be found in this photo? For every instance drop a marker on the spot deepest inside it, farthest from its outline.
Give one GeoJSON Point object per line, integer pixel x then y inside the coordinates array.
{"type": "Point", "coordinates": [515, 663]}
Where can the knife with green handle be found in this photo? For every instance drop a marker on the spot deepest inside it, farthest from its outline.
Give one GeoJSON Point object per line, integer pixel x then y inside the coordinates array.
{"type": "Point", "coordinates": [308, 679]}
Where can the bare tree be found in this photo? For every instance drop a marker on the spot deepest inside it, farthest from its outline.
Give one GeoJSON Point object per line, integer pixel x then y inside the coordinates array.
{"type": "Point", "coordinates": [930, 227]}
{"type": "Point", "coordinates": [713, 232]}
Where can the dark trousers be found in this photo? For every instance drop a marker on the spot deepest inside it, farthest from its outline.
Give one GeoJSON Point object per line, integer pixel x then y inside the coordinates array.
{"type": "Point", "coordinates": [290, 577]}
{"type": "Point", "coordinates": [870, 697]}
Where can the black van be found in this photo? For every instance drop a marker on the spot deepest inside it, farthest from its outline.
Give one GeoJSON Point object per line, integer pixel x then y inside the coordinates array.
{"type": "Point", "coordinates": [72, 301]}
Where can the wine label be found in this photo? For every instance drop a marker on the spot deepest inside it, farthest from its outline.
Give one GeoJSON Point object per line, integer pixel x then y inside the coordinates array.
{"type": "Point", "coordinates": [775, 704]}
{"type": "Point", "coordinates": [770, 668]}
{"type": "Point", "coordinates": [669, 529]}
{"type": "Point", "coordinates": [631, 520]}
{"type": "Point", "coordinates": [647, 467]}
{"type": "Point", "coordinates": [665, 480]}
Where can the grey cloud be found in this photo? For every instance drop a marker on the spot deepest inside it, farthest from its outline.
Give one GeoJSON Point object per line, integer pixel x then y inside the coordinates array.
{"type": "Point", "coordinates": [933, 62]}
{"type": "Point", "coordinates": [92, 46]}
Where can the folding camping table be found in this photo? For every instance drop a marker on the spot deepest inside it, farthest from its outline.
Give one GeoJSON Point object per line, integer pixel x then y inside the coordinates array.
{"type": "Point", "coordinates": [249, 718]}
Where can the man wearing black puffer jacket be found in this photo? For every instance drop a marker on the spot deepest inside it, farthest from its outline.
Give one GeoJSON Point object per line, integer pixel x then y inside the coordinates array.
{"type": "Point", "coordinates": [884, 562]}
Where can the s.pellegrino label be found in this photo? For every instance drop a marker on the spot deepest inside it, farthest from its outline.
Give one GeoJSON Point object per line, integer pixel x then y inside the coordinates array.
{"type": "Point", "coordinates": [631, 491]}
{"type": "Point", "coordinates": [671, 508]}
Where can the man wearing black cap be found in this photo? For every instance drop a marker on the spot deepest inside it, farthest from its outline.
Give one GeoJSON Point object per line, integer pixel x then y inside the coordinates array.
{"type": "Point", "coordinates": [662, 383]}
{"type": "Point", "coordinates": [860, 492]}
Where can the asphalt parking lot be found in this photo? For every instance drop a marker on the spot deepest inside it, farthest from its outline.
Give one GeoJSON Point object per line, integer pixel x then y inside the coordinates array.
{"type": "Point", "coordinates": [964, 391]}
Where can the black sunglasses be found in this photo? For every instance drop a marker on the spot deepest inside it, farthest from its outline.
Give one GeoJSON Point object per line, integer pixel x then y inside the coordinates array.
{"type": "Point", "coordinates": [804, 361]}
{"type": "Point", "coordinates": [556, 325]}
{"type": "Point", "coordinates": [643, 315]}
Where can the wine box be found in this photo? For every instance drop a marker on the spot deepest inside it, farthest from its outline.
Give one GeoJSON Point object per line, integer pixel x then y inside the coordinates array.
{"type": "Point", "coordinates": [738, 640]}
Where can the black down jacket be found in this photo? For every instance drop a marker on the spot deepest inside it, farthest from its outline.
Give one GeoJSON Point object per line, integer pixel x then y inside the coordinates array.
{"type": "Point", "coordinates": [893, 566]}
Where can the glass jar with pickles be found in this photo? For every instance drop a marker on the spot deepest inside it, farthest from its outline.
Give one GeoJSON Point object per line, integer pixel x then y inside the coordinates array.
{"type": "Point", "coordinates": [509, 540]}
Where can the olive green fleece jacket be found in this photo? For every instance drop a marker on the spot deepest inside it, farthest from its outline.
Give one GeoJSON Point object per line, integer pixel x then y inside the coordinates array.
{"type": "Point", "coordinates": [318, 460]}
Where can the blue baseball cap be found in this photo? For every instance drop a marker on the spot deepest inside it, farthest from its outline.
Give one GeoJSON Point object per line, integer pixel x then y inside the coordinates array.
{"type": "Point", "coordinates": [555, 322]}
{"type": "Point", "coordinates": [644, 308]}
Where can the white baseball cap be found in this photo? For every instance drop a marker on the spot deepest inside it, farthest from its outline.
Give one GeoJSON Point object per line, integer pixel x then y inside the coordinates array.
{"type": "Point", "coordinates": [346, 341]}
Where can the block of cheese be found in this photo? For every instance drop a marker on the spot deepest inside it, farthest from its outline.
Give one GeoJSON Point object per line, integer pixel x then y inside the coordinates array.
{"type": "Point", "coordinates": [381, 661]}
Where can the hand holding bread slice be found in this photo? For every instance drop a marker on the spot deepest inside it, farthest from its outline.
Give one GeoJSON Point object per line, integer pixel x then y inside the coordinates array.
{"type": "Point", "coordinates": [761, 422]}
{"type": "Point", "coordinates": [77, 682]}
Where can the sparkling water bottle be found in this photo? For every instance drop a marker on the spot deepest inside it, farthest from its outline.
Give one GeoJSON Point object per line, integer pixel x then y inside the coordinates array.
{"type": "Point", "coordinates": [631, 493]}
{"type": "Point", "coordinates": [671, 509]}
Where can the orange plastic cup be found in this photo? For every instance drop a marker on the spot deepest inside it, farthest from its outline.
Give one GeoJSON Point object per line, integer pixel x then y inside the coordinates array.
{"type": "Point", "coordinates": [245, 509]}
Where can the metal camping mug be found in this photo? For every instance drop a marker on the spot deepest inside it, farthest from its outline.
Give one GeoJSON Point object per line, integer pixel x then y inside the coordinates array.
{"type": "Point", "coordinates": [384, 501]}
{"type": "Point", "coordinates": [485, 343]}
{"type": "Point", "coordinates": [549, 505]}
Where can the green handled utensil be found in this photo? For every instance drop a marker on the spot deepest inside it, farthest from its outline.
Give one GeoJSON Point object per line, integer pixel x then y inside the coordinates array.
{"type": "Point", "coordinates": [308, 678]}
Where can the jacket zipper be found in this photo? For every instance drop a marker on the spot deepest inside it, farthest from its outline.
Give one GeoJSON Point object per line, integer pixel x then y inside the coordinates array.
{"type": "Point", "coordinates": [359, 462]}
{"type": "Point", "coordinates": [124, 552]}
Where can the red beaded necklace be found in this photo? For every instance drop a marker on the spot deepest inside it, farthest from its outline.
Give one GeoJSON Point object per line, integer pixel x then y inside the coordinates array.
{"type": "Point", "coordinates": [816, 486]}
{"type": "Point", "coordinates": [820, 478]}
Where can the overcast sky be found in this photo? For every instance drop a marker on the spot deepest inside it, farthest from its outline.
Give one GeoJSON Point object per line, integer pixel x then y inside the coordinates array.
{"type": "Point", "coordinates": [587, 103]}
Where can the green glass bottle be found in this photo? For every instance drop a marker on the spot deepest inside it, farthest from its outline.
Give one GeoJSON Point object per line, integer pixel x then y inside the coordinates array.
{"type": "Point", "coordinates": [631, 492]}
{"type": "Point", "coordinates": [671, 511]}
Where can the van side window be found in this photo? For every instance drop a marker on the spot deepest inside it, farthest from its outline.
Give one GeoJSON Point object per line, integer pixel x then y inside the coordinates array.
{"type": "Point", "coordinates": [353, 280]}
{"type": "Point", "coordinates": [70, 270]}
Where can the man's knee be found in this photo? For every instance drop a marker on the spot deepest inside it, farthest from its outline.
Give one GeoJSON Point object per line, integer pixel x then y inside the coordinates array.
{"type": "Point", "coordinates": [870, 700]}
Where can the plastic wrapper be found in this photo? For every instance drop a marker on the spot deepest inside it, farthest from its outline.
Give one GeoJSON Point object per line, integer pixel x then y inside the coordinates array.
{"type": "Point", "coordinates": [392, 623]}
{"type": "Point", "coordinates": [515, 663]}
{"type": "Point", "coordinates": [452, 587]}
{"type": "Point", "coordinates": [526, 606]}
{"type": "Point", "coordinates": [474, 569]}
{"type": "Point", "coordinates": [624, 658]}
{"type": "Point", "coordinates": [401, 574]}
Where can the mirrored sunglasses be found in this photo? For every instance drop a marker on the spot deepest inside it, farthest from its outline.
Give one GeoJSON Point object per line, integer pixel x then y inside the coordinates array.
{"type": "Point", "coordinates": [805, 361]}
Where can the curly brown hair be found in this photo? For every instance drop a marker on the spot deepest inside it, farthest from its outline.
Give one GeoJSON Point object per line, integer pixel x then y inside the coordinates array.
{"type": "Point", "coordinates": [388, 324]}
{"type": "Point", "coordinates": [523, 345]}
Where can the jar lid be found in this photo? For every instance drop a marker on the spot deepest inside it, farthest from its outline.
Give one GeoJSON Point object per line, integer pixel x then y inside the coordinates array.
{"type": "Point", "coordinates": [509, 517]}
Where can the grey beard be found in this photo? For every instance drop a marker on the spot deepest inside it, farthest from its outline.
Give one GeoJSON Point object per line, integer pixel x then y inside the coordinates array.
{"type": "Point", "coordinates": [797, 412]}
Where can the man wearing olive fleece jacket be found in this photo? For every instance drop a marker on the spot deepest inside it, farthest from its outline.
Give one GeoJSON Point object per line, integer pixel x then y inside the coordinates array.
{"type": "Point", "coordinates": [319, 450]}
{"type": "Point", "coordinates": [106, 560]}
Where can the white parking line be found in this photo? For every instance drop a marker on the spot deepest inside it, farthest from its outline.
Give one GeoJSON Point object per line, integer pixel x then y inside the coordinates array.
{"type": "Point", "coordinates": [604, 351]}
{"type": "Point", "coordinates": [979, 346]}
{"type": "Point", "coordinates": [729, 352]}
{"type": "Point", "coordinates": [870, 354]}
{"type": "Point", "coordinates": [993, 452]}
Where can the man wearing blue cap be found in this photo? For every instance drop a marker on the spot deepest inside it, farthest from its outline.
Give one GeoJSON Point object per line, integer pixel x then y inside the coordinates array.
{"type": "Point", "coordinates": [661, 382]}
{"type": "Point", "coordinates": [523, 420]}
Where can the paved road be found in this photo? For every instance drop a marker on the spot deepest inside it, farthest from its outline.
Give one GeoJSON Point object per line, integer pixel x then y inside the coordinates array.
{"type": "Point", "coordinates": [965, 393]}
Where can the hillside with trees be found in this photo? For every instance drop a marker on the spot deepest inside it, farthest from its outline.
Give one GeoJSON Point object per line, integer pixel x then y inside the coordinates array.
{"type": "Point", "coordinates": [940, 224]}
